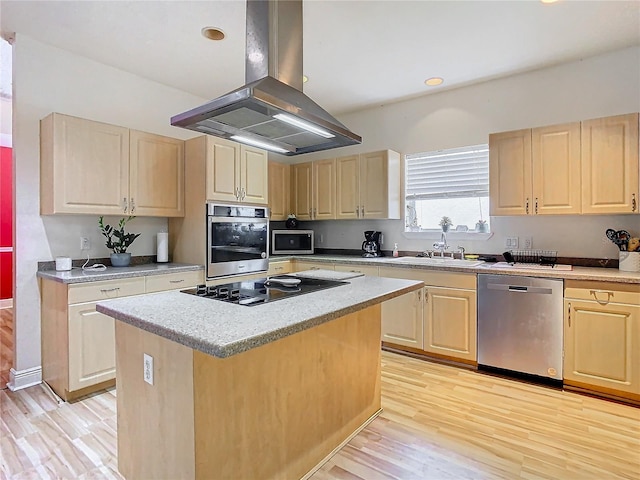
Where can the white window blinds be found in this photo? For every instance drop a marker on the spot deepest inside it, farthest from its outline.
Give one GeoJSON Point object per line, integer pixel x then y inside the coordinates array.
{"type": "Point", "coordinates": [456, 172]}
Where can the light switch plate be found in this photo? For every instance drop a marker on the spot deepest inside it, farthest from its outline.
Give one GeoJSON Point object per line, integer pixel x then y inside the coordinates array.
{"type": "Point", "coordinates": [148, 369]}
{"type": "Point", "coordinates": [511, 242]}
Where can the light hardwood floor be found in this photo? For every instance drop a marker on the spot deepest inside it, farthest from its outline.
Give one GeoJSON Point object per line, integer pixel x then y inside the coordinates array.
{"type": "Point", "coordinates": [6, 345]}
{"type": "Point", "coordinates": [439, 422]}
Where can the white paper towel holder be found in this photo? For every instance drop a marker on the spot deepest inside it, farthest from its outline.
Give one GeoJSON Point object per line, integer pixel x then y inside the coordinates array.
{"type": "Point", "coordinates": [162, 249]}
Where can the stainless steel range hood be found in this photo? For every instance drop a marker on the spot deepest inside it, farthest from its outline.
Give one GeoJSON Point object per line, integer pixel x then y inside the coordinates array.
{"type": "Point", "coordinates": [271, 111]}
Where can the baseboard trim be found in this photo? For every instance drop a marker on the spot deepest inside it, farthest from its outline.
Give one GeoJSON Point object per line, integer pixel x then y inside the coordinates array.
{"type": "Point", "coordinates": [6, 303]}
{"type": "Point", "coordinates": [24, 378]}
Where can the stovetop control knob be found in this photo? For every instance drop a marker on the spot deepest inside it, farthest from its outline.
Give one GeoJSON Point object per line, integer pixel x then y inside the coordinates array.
{"type": "Point", "coordinates": [201, 289]}
{"type": "Point", "coordinates": [223, 292]}
{"type": "Point", "coordinates": [234, 294]}
{"type": "Point", "coordinates": [212, 291]}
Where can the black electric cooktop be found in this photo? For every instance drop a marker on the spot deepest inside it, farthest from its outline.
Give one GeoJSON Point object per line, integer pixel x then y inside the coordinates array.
{"type": "Point", "coordinates": [262, 290]}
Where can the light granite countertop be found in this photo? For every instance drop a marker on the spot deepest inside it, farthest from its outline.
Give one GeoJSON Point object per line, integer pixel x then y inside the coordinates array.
{"type": "Point", "coordinates": [577, 273]}
{"type": "Point", "coordinates": [223, 329]}
{"type": "Point", "coordinates": [77, 275]}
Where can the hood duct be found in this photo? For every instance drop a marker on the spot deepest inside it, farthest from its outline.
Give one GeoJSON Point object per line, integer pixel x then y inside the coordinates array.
{"type": "Point", "coordinates": [271, 111]}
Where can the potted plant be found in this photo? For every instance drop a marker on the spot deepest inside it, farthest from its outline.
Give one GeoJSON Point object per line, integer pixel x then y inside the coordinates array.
{"type": "Point", "coordinates": [118, 241]}
{"type": "Point", "coordinates": [482, 226]}
{"type": "Point", "coordinates": [445, 223]}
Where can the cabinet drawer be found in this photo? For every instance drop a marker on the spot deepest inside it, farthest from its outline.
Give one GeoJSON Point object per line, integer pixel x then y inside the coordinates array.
{"type": "Point", "coordinates": [95, 291]}
{"type": "Point", "coordinates": [278, 268]}
{"type": "Point", "coordinates": [364, 269]}
{"type": "Point", "coordinates": [301, 266]}
{"type": "Point", "coordinates": [171, 281]}
{"type": "Point", "coordinates": [603, 292]}
{"type": "Point", "coordinates": [432, 277]}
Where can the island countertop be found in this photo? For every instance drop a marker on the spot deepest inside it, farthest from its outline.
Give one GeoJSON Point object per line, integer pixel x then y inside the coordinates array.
{"type": "Point", "coordinates": [77, 275]}
{"type": "Point", "coordinates": [223, 329]}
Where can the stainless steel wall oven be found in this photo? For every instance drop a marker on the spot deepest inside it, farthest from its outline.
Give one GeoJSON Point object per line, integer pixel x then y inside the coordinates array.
{"type": "Point", "coordinates": [237, 239]}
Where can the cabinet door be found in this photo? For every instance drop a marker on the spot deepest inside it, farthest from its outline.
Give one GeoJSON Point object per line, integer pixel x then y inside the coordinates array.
{"type": "Point", "coordinates": [279, 268]}
{"type": "Point", "coordinates": [555, 154]}
{"type": "Point", "coordinates": [302, 174]}
{"type": "Point", "coordinates": [223, 172]}
{"type": "Point", "coordinates": [450, 322]}
{"type": "Point", "coordinates": [402, 320]}
{"type": "Point", "coordinates": [156, 175]}
{"type": "Point", "coordinates": [84, 166]}
{"type": "Point", "coordinates": [602, 345]}
{"type": "Point", "coordinates": [374, 201]}
{"type": "Point", "coordinates": [279, 191]}
{"type": "Point", "coordinates": [324, 189]}
{"type": "Point", "coordinates": [92, 346]}
{"type": "Point", "coordinates": [510, 173]}
{"type": "Point", "coordinates": [254, 183]}
{"type": "Point", "coordinates": [347, 194]}
{"type": "Point", "coordinates": [610, 165]}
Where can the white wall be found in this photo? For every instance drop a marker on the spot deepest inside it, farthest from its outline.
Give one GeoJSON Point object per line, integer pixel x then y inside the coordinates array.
{"type": "Point", "coordinates": [594, 87]}
{"type": "Point", "coordinates": [47, 79]}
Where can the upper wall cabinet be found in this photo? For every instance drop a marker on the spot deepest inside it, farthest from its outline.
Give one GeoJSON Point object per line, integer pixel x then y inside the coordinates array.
{"type": "Point", "coordinates": [368, 185]}
{"type": "Point", "coordinates": [279, 191]}
{"type": "Point", "coordinates": [314, 190]}
{"type": "Point", "coordinates": [89, 167]}
{"type": "Point", "coordinates": [588, 167]}
{"type": "Point", "coordinates": [610, 165]}
{"type": "Point", "coordinates": [235, 172]}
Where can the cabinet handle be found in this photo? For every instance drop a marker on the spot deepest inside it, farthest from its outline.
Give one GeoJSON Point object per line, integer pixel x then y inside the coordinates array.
{"type": "Point", "coordinates": [107, 290]}
{"type": "Point", "coordinates": [633, 202]}
{"type": "Point", "coordinates": [236, 192]}
{"type": "Point", "coordinates": [177, 281]}
{"type": "Point", "coordinates": [358, 212]}
{"type": "Point", "coordinates": [527, 206]}
{"type": "Point", "coordinates": [243, 193]}
{"type": "Point", "coordinates": [362, 210]}
{"type": "Point", "coordinates": [595, 296]}
{"type": "Point", "coordinates": [124, 205]}
{"type": "Point", "coordinates": [536, 205]}
{"type": "Point", "coordinates": [133, 205]}
{"type": "Point", "coordinates": [569, 316]}
{"type": "Point", "coordinates": [420, 295]}
{"type": "Point", "coordinates": [426, 296]}
{"type": "Point", "coordinates": [277, 269]}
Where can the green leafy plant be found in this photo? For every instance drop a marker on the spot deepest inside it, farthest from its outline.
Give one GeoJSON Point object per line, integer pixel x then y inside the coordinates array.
{"type": "Point", "coordinates": [445, 221]}
{"type": "Point", "coordinates": [122, 240]}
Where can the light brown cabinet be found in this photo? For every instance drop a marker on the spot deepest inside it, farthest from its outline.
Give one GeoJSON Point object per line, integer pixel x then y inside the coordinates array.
{"type": "Point", "coordinates": [535, 171]}
{"type": "Point", "coordinates": [314, 190]}
{"type": "Point", "coordinates": [279, 191]}
{"type": "Point", "coordinates": [610, 165]}
{"type": "Point", "coordinates": [301, 266]}
{"type": "Point", "coordinates": [137, 173]}
{"type": "Point", "coordinates": [580, 167]}
{"type": "Point", "coordinates": [235, 173]}
{"type": "Point", "coordinates": [602, 338]}
{"type": "Point", "coordinates": [368, 185]}
{"type": "Point", "coordinates": [78, 343]}
{"type": "Point", "coordinates": [402, 320]}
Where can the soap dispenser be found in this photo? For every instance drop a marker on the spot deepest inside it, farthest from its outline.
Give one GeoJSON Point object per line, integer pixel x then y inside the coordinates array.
{"type": "Point", "coordinates": [395, 249]}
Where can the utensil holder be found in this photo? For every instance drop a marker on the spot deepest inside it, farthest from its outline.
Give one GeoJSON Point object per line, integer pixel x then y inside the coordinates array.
{"type": "Point", "coordinates": [629, 262]}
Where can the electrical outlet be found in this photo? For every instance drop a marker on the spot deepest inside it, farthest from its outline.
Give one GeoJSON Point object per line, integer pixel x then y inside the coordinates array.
{"type": "Point", "coordinates": [511, 242]}
{"type": "Point", "coordinates": [85, 244]}
{"type": "Point", "coordinates": [321, 238]}
{"type": "Point", "coordinates": [147, 366]}
{"type": "Point", "coordinates": [527, 242]}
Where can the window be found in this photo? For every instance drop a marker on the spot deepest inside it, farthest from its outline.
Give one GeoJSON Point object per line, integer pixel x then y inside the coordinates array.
{"type": "Point", "coordinates": [452, 183]}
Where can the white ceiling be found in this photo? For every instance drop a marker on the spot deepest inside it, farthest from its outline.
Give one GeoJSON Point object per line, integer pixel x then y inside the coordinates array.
{"type": "Point", "coordinates": [356, 53]}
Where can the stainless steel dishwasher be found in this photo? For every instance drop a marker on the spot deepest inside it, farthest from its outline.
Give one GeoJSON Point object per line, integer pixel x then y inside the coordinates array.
{"type": "Point", "coordinates": [520, 321]}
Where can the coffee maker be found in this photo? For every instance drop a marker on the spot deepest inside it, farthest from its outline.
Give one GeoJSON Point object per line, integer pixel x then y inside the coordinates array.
{"type": "Point", "coordinates": [371, 245]}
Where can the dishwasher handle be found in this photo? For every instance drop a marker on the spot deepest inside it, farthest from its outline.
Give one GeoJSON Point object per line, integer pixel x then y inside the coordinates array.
{"type": "Point", "coordinates": [519, 288]}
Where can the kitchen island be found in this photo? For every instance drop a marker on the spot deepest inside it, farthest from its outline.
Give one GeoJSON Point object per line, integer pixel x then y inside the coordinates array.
{"type": "Point", "coordinates": [268, 391]}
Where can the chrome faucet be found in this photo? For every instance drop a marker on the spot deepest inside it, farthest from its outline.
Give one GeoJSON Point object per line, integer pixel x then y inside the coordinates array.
{"type": "Point", "coordinates": [441, 246]}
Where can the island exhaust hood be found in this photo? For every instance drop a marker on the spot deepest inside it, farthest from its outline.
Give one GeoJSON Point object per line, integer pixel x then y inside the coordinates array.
{"type": "Point", "coordinates": [270, 111]}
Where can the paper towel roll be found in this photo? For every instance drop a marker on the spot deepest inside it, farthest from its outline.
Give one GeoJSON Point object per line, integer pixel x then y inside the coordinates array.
{"type": "Point", "coordinates": [162, 251]}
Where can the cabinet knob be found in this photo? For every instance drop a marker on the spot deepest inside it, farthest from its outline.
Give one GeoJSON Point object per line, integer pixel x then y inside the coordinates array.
{"type": "Point", "coordinates": [527, 206]}
{"type": "Point", "coordinates": [243, 193]}
{"type": "Point", "coordinates": [124, 205]}
{"type": "Point", "coordinates": [133, 205]}
{"type": "Point", "coordinates": [358, 212]}
{"type": "Point", "coordinates": [633, 202]}
{"type": "Point", "coordinates": [536, 205]}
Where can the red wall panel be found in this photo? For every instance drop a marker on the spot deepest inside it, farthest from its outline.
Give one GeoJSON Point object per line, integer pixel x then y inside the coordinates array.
{"type": "Point", "coordinates": [6, 221]}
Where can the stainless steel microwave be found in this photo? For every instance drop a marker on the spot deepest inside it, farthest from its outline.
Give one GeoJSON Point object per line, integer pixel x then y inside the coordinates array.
{"type": "Point", "coordinates": [237, 239]}
{"type": "Point", "coordinates": [292, 242]}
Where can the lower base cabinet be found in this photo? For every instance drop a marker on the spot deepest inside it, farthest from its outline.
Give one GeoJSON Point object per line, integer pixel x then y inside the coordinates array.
{"type": "Point", "coordinates": [602, 338]}
{"type": "Point", "coordinates": [439, 320]}
{"type": "Point", "coordinates": [78, 343]}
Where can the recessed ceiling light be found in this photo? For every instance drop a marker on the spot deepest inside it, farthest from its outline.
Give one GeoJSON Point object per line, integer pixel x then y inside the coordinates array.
{"type": "Point", "coordinates": [212, 33]}
{"type": "Point", "coordinates": [548, 1]}
{"type": "Point", "coordinates": [433, 81]}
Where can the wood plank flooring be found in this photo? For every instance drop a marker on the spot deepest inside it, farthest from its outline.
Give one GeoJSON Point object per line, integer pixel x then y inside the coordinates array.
{"type": "Point", "coordinates": [439, 422]}
{"type": "Point", "coordinates": [6, 345]}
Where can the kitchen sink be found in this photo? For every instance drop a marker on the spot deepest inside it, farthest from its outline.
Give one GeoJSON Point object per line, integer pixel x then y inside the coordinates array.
{"type": "Point", "coordinates": [450, 262]}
